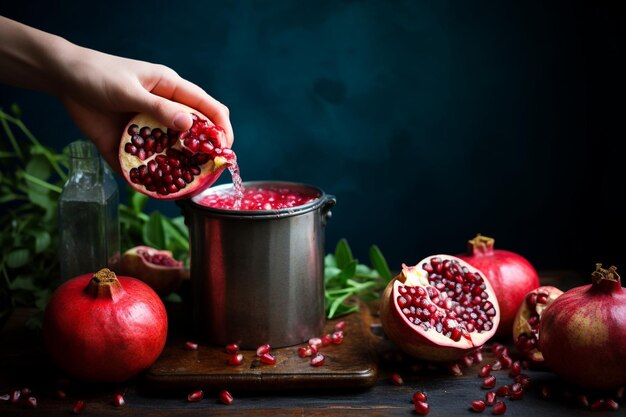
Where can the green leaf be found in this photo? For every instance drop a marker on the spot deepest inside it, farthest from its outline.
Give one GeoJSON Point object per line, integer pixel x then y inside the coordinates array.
{"type": "Point", "coordinates": [343, 254]}
{"type": "Point", "coordinates": [379, 263]}
{"type": "Point", "coordinates": [39, 167]}
{"type": "Point", "coordinates": [42, 240]}
{"type": "Point", "coordinates": [15, 109]}
{"type": "Point", "coordinates": [154, 231]}
{"type": "Point", "coordinates": [347, 272]}
{"type": "Point", "coordinates": [26, 283]}
{"type": "Point", "coordinates": [138, 201]}
{"type": "Point", "coordinates": [330, 261]}
{"type": "Point", "coordinates": [17, 258]}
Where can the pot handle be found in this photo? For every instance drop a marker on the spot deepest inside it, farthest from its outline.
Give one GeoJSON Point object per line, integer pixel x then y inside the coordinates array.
{"type": "Point", "coordinates": [329, 202]}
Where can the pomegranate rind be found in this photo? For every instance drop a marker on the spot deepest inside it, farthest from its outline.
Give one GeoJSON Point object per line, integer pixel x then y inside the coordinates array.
{"type": "Point", "coordinates": [583, 336]}
{"type": "Point", "coordinates": [209, 171]}
{"type": "Point", "coordinates": [521, 325]}
{"type": "Point", "coordinates": [162, 279]}
{"type": "Point", "coordinates": [428, 344]}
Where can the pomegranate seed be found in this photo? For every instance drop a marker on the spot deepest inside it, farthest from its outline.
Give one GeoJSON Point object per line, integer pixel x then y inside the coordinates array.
{"type": "Point", "coordinates": [337, 337]}
{"type": "Point", "coordinates": [496, 365]}
{"type": "Point", "coordinates": [582, 400]}
{"type": "Point", "coordinates": [232, 348]}
{"type": "Point", "coordinates": [191, 346]}
{"type": "Point", "coordinates": [195, 396]}
{"type": "Point", "coordinates": [516, 369]}
{"type": "Point", "coordinates": [317, 360]}
{"type": "Point", "coordinates": [316, 342]}
{"type": "Point", "coordinates": [506, 362]}
{"type": "Point", "coordinates": [396, 379]}
{"type": "Point", "coordinates": [611, 405]}
{"type": "Point", "coordinates": [455, 369]}
{"type": "Point", "coordinates": [31, 402]}
{"type": "Point", "coordinates": [490, 397]}
{"type": "Point", "coordinates": [484, 371]}
{"type": "Point", "coordinates": [503, 391]}
{"type": "Point", "coordinates": [419, 396]}
{"type": "Point", "coordinates": [235, 359]}
{"type": "Point", "coordinates": [597, 405]}
{"type": "Point", "coordinates": [303, 352]}
{"type": "Point", "coordinates": [326, 340]}
{"type": "Point", "coordinates": [340, 326]}
{"type": "Point", "coordinates": [477, 406]}
{"type": "Point", "coordinates": [226, 397]}
{"type": "Point", "coordinates": [468, 360]}
{"type": "Point", "coordinates": [489, 382]}
{"type": "Point", "coordinates": [25, 391]}
{"type": "Point", "coordinates": [620, 392]}
{"type": "Point", "coordinates": [263, 349]}
{"type": "Point", "coordinates": [422, 408]}
{"type": "Point", "coordinates": [60, 394]}
{"type": "Point", "coordinates": [15, 395]}
{"type": "Point", "coordinates": [78, 407]}
{"type": "Point", "coordinates": [119, 400]}
{"type": "Point", "coordinates": [478, 356]}
{"type": "Point", "coordinates": [267, 359]}
{"type": "Point", "coordinates": [5, 397]}
{"type": "Point", "coordinates": [499, 408]}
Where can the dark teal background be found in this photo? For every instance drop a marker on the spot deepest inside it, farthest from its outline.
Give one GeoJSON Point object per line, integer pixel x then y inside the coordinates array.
{"type": "Point", "coordinates": [430, 121]}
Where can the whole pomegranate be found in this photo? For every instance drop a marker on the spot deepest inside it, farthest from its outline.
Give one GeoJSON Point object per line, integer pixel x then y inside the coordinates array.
{"type": "Point", "coordinates": [167, 164]}
{"type": "Point", "coordinates": [582, 334]}
{"type": "Point", "coordinates": [527, 319]}
{"type": "Point", "coordinates": [510, 275]}
{"type": "Point", "coordinates": [439, 309]}
{"type": "Point", "coordinates": [103, 328]}
{"type": "Point", "coordinates": [157, 268]}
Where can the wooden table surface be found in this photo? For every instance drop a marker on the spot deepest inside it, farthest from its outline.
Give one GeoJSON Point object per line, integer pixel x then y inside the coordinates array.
{"type": "Point", "coordinates": [23, 364]}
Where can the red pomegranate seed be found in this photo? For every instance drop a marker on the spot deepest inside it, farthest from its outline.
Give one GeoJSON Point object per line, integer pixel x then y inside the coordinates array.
{"type": "Point", "coordinates": [516, 369]}
{"type": "Point", "coordinates": [326, 340]}
{"type": "Point", "coordinates": [620, 393]}
{"type": "Point", "coordinates": [340, 325]}
{"type": "Point", "coordinates": [419, 396]}
{"type": "Point", "coordinates": [506, 362]}
{"type": "Point", "coordinates": [503, 391]}
{"type": "Point", "coordinates": [195, 396]}
{"type": "Point", "coordinates": [263, 349]}
{"type": "Point", "coordinates": [582, 400]}
{"type": "Point", "coordinates": [303, 352]}
{"type": "Point", "coordinates": [396, 379]}
{"type": "Point", "coordinates": [489, 382]}
{"type": "Point", "coordinates": [478, 356]}
{"type": "Point", "coordinates": [15, 395]}
{"type": "Point", "coordinates": [226, 397]}
{"type": "Point", "coordinates": [455, 369]}
{"type": "Point", "coordinates": [119, 400]}
{"type": "Point", "coordinates": [60, 394]}
{"type": "Point", "coordinates": [422, 408]}
{"type": "Point", "coordinates": [468, 360]}
{"type": "Point", "coordinates": [317, 360]}
{"type": "Point", "coordinates": [31, 402]}
{"type": "Point", "coordinates": [611, 405]}
{"type": "Point", "coordinates": [499, 408]}
{"type": "Point", "coordinates": [191, 346]}
{"type": "Point", "coordinates": [268, 359]}
{"type": "Point", "coordinates": [490, 397]}
{"type": "Point", "coordinates": [484, 371]}
{"type": "Point", "coordinates": [315, 341]}
{"type": "Point", "coordinates": [232, 348]}
{"type": "Point", "coordinates": [78, 407]}
{"type": "Point", "coordinates": [337, 337]}
{"type": "Point", "coordinates": [496, 365]}
{"type": "Point", "coordinates": [597, 405]}
{"type": "Point", "coordinates": [26, 391]}
{"type": "Point", "coordinates": [235, 359]}
{"type": "Point", "coordinates": [477, 406]}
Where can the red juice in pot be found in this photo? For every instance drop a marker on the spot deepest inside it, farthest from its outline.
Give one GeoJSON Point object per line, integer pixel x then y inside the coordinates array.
{"type": "Point", "coordinates": [258, 198]}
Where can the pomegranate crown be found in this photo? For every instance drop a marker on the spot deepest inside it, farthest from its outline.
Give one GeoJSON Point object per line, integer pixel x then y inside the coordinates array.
{"type": "Point", "coordinates": [603, 274]}
{"type": "Point", "coordinates": [480, 244]}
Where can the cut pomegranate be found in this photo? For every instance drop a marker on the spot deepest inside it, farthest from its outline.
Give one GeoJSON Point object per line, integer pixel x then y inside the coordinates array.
{"type": "Point", "coordinates": [167, 164]}
{"type": "Point", "coordinates": [157, 268]}
{"type": "Point", "coordinates": [439, 310]}
{"type": "Point", "coordinates": [226, 397]}
{"type": "Point", "coordinates": [527, 320]}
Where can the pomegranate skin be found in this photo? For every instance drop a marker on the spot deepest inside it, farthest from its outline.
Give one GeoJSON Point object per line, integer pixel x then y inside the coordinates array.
{"type": "Point", "coordinates": [511, 275]}
{"type": "Point", "coordinates": [583, 333]}
{"type": "Point", "coordinates": [157, 268]}
{"type": "Point", "coordinates": [414, 340]}
{"type": "Point", "coordinates": [107, 333]}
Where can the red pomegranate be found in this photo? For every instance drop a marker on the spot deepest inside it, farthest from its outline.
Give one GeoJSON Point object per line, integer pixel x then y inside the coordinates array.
{"type": "Point", "coordinates": [527, 320]}
{"type": "Point", "coordinates": [439, 309]}
{"type": "Point", "coordinates": [510, 275]}
{"type": "Point", "coordinates": [582, 334]}
{"type": "Point", "coordinates": [103, 328]}
{"type": "Point", "coordinates": [167, 164]}
{"type": "Point", "coordinates": [157, 268]}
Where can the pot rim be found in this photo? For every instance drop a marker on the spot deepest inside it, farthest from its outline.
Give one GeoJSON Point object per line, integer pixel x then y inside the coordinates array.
{"type": "Point", "coordinates": [322, 200]}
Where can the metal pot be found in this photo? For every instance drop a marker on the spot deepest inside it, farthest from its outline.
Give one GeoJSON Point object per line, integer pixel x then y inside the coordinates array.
{"type": "Point", "coordinates": [258, 276]}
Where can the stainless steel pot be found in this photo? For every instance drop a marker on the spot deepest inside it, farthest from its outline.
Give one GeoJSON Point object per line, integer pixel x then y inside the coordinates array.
{"type": "Point", "coordinates": [258, 276]}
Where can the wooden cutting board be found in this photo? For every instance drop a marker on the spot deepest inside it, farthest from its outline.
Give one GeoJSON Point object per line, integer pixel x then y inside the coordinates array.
{"type": "Point", "coordinates": [351, 364]}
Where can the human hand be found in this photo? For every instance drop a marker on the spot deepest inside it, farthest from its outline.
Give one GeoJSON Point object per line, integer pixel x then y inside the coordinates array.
{"type": "Point", "coordinates": [103, 91]}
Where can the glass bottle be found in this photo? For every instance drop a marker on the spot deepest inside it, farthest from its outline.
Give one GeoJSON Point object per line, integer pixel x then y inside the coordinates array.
{"type": "Point", "coordinates": [89, 228]}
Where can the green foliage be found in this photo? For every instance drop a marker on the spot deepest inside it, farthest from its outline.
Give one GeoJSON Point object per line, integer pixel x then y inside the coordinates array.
{"type": "Point", "coordinates": [346, 279]}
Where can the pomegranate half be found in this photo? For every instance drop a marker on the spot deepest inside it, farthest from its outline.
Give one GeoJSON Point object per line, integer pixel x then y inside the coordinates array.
{"type": "Point", "coordinates": [582, 334]}
{"type": "Point", "coordinates": [166, 164]}
{"type": "Point", "coordinates": [440, 309]}
{"type": "Point", "coordinates": [157, 268]}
